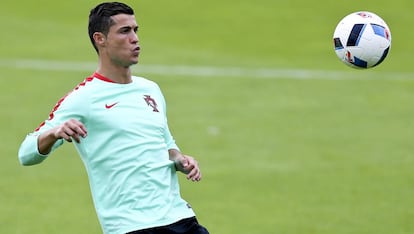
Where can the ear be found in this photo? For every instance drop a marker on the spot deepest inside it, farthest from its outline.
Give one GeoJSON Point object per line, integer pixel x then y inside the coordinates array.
{"type": "Point", "coordinates": [99, 39]}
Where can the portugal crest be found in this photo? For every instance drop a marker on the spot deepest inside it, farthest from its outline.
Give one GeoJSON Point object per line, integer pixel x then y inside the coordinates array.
{"type": "Point", "coordinates": [151, 102]}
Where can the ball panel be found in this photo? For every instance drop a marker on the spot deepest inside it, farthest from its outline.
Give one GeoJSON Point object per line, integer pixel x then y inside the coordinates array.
{"type": "Point", "coordinates": [360, 63]}
{"type": "Point", "coordinates": [338, 44]}
{"type": "Point", "coordinates": [384, 55]}
{"type": "Point", "coordinates": [380, 30]}
{"type": "Point", "coordinates": [355, 35]}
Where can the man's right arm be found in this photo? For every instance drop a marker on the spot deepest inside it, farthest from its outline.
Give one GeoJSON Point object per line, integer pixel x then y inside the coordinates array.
{"type": "Point", "coordinates": [69, 130]}
{"type": "Point", "coordinates": [30, 152]}
{"type": "Point", "coordinates": [36, 146]}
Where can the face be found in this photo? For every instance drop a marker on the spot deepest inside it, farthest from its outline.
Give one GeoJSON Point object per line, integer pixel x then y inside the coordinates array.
{"type": "Point", "coordinates": [121, 46]}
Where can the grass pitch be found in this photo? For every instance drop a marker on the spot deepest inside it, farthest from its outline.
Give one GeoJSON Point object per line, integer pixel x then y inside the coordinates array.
{"type": "Point", "coordinates": [283, 154]}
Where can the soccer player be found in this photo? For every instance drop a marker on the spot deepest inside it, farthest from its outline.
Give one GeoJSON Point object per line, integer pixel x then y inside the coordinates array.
{"type": "Point", "coordinates": [118, 125]}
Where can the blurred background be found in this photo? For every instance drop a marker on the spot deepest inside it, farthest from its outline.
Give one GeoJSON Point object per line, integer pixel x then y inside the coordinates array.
{"type": "Point", "coordinates": [290, 140]}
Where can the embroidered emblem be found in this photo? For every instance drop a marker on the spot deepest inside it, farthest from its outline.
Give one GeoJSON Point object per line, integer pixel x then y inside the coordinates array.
{"type": "Point", "coordinates": [151, 102]}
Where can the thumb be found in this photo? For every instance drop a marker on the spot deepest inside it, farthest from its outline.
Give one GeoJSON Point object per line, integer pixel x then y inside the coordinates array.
{"type": "Point", "coordinates": [184, 161]}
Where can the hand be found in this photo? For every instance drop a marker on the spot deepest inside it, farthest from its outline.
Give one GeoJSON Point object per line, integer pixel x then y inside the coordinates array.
{"type": "Point", "coordinates": [189, 166]}
{"type": "Point", "coordinates": [71, 129]}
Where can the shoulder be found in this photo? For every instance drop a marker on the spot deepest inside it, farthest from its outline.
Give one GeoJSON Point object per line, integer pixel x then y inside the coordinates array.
{"type": "Point", "coordinates": [78, 94]}
{"type": "Point", "coordinates": [146, 84]}
{"type": "Point", "coordinates": [144, 81]}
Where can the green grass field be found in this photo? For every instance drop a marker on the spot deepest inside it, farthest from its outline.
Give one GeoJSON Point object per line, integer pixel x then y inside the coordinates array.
{"type": "Point", "coordinates": [313, 148]}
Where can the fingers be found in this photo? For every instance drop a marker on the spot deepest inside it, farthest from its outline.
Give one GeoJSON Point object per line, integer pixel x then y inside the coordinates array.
{"type": "Point", "coordinates": [71, 129]}
{"type": "Point", "coordinates": [191, 167]}
{"type": "Point", "coordinates": [194, 175]}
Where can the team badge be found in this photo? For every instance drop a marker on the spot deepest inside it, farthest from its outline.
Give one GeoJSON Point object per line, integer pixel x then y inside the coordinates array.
{"type": "Point", "coordinates": [151, 102]}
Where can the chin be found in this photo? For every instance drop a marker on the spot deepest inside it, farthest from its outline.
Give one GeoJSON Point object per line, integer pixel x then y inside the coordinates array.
{"type": "Point", "coordinates": [134, 61]}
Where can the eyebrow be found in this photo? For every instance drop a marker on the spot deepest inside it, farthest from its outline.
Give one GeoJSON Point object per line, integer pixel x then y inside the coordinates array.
{"type": "Point", "coordinates": [135, 28]}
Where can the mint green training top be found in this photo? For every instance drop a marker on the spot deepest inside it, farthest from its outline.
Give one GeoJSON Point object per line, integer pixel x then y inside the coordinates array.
{"type": "Point", "coordinates": [134, 185]}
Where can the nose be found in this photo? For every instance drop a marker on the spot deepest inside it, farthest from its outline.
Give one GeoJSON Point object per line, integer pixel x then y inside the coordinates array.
{"type": "Point", "coordinates": [134, 38]}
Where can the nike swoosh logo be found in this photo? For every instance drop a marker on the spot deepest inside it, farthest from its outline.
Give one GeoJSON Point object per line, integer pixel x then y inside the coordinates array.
{"type": "Point", "coordinates": [111, 105]}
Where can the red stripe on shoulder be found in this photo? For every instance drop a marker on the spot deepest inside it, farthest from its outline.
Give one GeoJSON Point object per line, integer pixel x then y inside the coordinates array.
{"type": "Point", "coordinates": [56, 107]}
{"type": "Point", "coordinates": [101, 77]}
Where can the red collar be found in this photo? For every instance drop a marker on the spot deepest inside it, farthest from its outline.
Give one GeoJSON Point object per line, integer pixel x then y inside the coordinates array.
{"type": "Point", "coordinates": [101, 77]}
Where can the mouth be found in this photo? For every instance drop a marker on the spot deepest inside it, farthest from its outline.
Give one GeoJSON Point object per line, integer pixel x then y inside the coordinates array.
{"type": "Point", "coordinates": [136, 51]}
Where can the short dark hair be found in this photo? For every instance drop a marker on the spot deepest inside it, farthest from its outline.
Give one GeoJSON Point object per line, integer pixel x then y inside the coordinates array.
{"type": "Point", "coordinates": [100, 17]}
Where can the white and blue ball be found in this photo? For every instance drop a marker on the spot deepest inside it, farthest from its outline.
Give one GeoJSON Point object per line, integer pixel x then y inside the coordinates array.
{"type": "Point", "coordinates": [362, 40]}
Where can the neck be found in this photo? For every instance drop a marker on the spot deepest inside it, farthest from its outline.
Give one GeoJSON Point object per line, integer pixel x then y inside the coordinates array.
{"type": "Point", "coordinates": [118, 74]}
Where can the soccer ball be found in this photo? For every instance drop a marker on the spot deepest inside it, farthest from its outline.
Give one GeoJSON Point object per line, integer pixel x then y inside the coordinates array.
{"type": "Point", "coordinates": [362, 40]}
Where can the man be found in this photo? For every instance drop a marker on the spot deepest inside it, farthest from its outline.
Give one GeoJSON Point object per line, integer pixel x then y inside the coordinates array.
{"type": "Point", "coordinates": [119, 127]}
